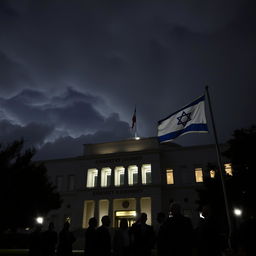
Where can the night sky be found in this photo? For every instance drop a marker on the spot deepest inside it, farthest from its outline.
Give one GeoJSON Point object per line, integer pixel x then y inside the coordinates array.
{"type": "Point", "coordinates": [71, 72]}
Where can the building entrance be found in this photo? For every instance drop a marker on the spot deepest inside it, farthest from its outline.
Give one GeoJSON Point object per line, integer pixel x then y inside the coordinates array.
{"type": "Point", "coordinates": [129, 215]}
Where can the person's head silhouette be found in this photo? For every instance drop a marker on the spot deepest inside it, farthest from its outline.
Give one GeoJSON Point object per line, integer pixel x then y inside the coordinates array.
{"type": "Point", "coordinates": [105, 221]}
{"type": "Point", "coordinates": [160, 217]}
{"type": "Point", "coordinates": [123, 223]}
{"type": "Point", "coordinates": [175, 209]}
{"type": "Point", "coordinates": [93, 222]}
{"type": "Point", "coordinates": [143, 218]}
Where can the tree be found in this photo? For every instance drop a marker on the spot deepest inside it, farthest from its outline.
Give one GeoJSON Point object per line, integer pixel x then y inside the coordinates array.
{"type": "Point", "coordinates": [25, 191]}
{"type": "Point", "coordinates": [211, 194]}
{"type": "Point", "coordinates": [240, 186]}
{"type": "Point", "coordinates": [242, 155]}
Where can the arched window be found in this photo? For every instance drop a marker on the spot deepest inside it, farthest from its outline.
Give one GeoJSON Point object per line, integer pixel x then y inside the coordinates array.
{"type": "Point", "coordinates": [133, 174]}
{"type": "Point", "coordinates": [119, 176]}
{"type": "Point", "coordinates": [92, 178]}
{"type": "Point", "coordinates": [105, 177]}
{"type": "Point", "coordinates": [146, 173]}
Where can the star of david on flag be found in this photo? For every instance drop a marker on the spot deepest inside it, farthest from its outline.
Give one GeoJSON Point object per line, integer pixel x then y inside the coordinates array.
{"type": "Point", "coordinates": [189, 119]}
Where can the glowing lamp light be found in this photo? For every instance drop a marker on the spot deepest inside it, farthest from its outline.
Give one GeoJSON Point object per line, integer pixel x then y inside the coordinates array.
{"type": "Point", "coordinates": [238, 212]}
{"type": "Point", "coordinates": [39, 220]}
{"type": "Point", "coordinates": [201, 215]}
{"type": "Point", "coordinates": [137, 138]}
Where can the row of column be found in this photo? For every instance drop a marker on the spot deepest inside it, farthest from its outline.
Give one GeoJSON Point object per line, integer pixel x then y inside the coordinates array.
{"type": "Point", "coordinates": [125, 176]}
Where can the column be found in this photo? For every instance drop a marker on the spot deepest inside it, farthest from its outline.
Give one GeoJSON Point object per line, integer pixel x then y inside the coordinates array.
{"type": "Point", "coordinates": [137, 203]}
{"type": "Point", "coordinates": [96, 211]}
{"type": "Point", "coordinates": [99, 178]}
{"type": "Point", "coordinates": [139, 175]}
{"type": "Point", "coordinates": [110, 212]}
{"type": "Point", "coordinates": [126, 176]}
{"type": "Point", "coordinates": [112, 177]}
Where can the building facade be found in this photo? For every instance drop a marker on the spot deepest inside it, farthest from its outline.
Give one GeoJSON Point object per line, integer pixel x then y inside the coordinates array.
{"type": "Point", "coordinates": [122, 179]}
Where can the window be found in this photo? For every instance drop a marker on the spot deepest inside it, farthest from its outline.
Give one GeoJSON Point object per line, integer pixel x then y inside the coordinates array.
{"type": "Point", "coordinates": [71, 182]}
{"type": "Point", "coordinates": [92, 178]}
{"type": "Point", "coordinates": [212, 174]}
{"type": "Point", "coordinates": [228, 169]}
{"type": "Point", "coordinates": [59, 182]}
{"type": "Point", "coordinates": [105, 177]}
{"type": "Point", "coordinates": [132, 175]}
{"type": "Point", "coordinates": [89, 208]}
{"type": "Point", "coordinates": [199, 175]}
{"type": "Point", "coordinates": [146, 173]}
{"type": "Point", "coordinates": [119, 176]}
{"type": "Point", "coordinates": [169, 177]}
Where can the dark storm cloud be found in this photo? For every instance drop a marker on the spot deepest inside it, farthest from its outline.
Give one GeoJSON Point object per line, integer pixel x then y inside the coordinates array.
{"type": "Point", "coordinates": [60, 120]}
{"type": "Point", "coordinates": [72, 111]}
{"type": "Point", "coordinates": [114, 54]}
{"type": "Point", "coordinates": [33, 134]}
{"type": "Point", "coordinates": [67, 146]}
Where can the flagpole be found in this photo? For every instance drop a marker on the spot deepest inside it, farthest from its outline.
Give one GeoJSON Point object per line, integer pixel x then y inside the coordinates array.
{"type": "Point", "coordinates": [220, 168]}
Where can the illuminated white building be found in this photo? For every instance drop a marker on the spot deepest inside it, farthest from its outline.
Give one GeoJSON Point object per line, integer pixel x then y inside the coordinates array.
{"type": "Point", "coordinates": [122, 179]}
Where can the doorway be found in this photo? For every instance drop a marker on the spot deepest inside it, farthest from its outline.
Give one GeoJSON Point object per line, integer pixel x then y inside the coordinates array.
{"type": "Point", "coordinates": [129, 215]}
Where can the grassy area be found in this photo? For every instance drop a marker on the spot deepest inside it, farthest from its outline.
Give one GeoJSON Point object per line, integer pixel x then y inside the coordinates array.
{"type": "Point", "coordinates": [13, 252]}
{"type": "Point", "coordinates": [17, 252]}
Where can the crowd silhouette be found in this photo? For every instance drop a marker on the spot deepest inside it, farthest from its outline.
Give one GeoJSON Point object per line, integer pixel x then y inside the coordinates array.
{"type": "Point", "coordinates": [174, 235]}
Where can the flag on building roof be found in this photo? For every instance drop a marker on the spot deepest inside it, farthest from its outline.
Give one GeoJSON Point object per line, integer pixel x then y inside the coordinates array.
{"type": "Point", "coordinates": [189, 119]}
{"type": "Point", "coordinates": [134, 118]}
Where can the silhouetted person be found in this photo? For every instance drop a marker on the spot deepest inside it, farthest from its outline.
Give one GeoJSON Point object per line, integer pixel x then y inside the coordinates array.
{"type": "Point", "coordinates": [35, 242]}
{"type": "Point", "coordinates": [142, 237]}
{"type": "Point", "coordinates": [179, 233]}
{"type": "Point", "coordinates": [121, 241]}
{"type": "Point", "coordinates": [160, 234]}
{"type": "Point", "coordinates": [50, 238]}
{"type": "Point", "coordinates": [103, 237]}
{"type": "Point", "coordinates": [209, 240]}
{"type": "Point", "coordinates": [90, 238]}
{"type": "Point", "coordinates": [66, 240]}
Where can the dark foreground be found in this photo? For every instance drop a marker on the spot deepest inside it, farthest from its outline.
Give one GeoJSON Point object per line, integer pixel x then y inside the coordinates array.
{"type": "Point", "coordinates": [17, 252]}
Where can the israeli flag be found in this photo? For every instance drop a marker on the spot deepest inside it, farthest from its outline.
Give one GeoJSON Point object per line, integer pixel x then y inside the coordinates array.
{"type": "Point", "coordinates": [189, 119]}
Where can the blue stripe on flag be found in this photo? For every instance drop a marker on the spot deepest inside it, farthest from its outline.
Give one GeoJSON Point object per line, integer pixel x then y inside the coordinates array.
{"type": "Point", "coordinates": [202, 98]}
{"type": "Point", "coordinates": [190, 128]}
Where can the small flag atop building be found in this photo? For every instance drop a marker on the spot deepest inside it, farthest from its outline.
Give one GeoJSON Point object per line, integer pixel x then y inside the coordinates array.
{"type": "Point", "coordinates": [189, 119]}
{"type": "Point", "coordinates": [134, 118]}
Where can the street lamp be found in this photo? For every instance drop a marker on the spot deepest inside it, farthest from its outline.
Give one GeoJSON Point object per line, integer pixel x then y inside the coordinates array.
{"type": "Point", "coordinates": [40, 220]}
{"type": "Point", "coordinates": [238, 212]}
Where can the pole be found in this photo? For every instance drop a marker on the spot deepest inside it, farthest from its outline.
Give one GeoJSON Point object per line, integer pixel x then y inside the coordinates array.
{"type": "Point", "coordinates": [220, 163]}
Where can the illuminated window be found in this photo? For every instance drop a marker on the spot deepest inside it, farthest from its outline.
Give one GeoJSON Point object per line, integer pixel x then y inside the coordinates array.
{"type": "Point", "coordinates": [228, 169]}
{"type": "Point", "coordinates": [132, 175]}
{"type": "Point", "coordinates": [169, 176]}
{"type": "Point", "coordinates": [89, 207]}
{"type": "Point", "coordinates": [199, 175]}
{"type": "Point", "coordinates": [59, 183]}
{"type": "Point", "coordinates": [71, 182]}
{"type": "Point", "coordinates": [212, 174]}
{"type": "Point", "coordinates": [146, 173]}
{"type": "Point", "coordinates": [92, 178]}
{"type": "Point", "coordinates": [105, 177]}
{"type": "Point", "coordinates": [119, 176]}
